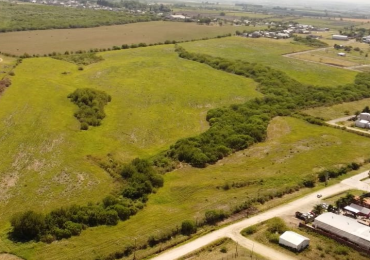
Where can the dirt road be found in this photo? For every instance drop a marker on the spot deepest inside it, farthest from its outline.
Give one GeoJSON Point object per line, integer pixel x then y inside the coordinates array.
{"type": "Point", "coordinates": [233, 231]}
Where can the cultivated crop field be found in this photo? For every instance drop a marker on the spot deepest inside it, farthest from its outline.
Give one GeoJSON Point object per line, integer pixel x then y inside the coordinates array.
{"type": "Point", "coordinates": [48, 41]}
{"type": "Point", "coordinates": [294, 149]}
{"type": "Point", "coordinates": [269, 52]}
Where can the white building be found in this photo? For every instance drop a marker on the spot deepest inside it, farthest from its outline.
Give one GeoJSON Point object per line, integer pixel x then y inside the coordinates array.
{"type": "Point", "coordinates": [363, 120]}
{"type": "Point", "coordinates": [344, 227]}
{"type": "Point", "coordinates": [293, 240]}
{"type": "Point", "coordinates": [340, 37]}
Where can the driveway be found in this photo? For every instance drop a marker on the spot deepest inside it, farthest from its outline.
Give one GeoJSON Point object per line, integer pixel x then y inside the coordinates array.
{"type": "Point", "coordinates": [233, 231]}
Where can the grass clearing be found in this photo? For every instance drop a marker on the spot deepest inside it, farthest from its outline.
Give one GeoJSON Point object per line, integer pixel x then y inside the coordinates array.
{"type": "Point", "coordinates": [295, 149]}
{"type": "Point", "coordinates": [157, 98]}
{"type": "Point", "coordinates": [269, 52]}
{"type": "Point", "coordinates": [320, 247]}
{"type": "Point", "coordinates": [224, 248]}
{"type": "Point", "coordinates": [333, 24]}
{"type": "Point", "coordinates": [47, 41]}
{"type": "Point", "coordinates": [338, 111]}
{"type": "Point", "coordinates": [6, 65]}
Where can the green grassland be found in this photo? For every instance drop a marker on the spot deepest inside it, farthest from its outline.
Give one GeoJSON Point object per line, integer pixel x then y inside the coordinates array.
{"type": "Point", "coordinates": [21, 17]}
{"type": "Point", "coordinates": [333, 24]}
{"type": "Point", "coordinates": [294, 149]}
{"type": "Point", "coordinates": [320, 246]}
{"type": "Point", "coordinates": [340, 110]}
{"type": "Point", "coordinates": [47, 41]}
{"type": "Point", "coordinates": [157, 99]}
{"type": "Point", "coordinates": [6, 65]}
{"type": "Point", "coordinates": [269, 52]}
{"type": "Point", "coordinates": [222, 249]}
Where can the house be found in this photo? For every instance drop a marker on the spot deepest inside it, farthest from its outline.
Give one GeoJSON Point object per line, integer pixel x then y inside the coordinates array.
{"type": "Point", "coordinates": [342, 54]}
{"type": "Point", "coordinates": [363, 120]}
{"type": "Point", "coordinates": [340, 37]}
{"type": "Point", "coordinates": [344, 227]}
{"type": "Point", "coordinates": [366, 39]}
{"type": "Point", "coordinates": [294, 241]}
{"type": "Point", "coordinates": [282, 36]}
{"type": "Point", "coordinates": [358, 210]}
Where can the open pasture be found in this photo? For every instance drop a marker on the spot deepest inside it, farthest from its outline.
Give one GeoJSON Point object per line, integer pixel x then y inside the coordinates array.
{"type": "Point", "coordinates": [269, 52]}
{"type": "Point", "coordinates": [47, 41]}
{"type": "Point", "coordinates": [330, 56]}
{"type": "Point", "coordinates": [157, 98]}
{"type": "Point", "coordinates": [333, 24]}
{"type": "Point", "coordinates": [6, 65]}
{"type": "Point", "coordinates": [294, 150]}
{"type": "Point", "coordinates": [338, 111]}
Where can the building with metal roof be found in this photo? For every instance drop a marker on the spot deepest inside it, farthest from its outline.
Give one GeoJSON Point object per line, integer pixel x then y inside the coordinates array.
{"type": "Point", "coordinates": [293, 240]}
{"type": "Point", "coordinates": [344, 227]}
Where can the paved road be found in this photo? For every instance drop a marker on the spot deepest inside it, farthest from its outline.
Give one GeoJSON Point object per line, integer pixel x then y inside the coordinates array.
{"type": "Point", "coordinates": [233, 231]}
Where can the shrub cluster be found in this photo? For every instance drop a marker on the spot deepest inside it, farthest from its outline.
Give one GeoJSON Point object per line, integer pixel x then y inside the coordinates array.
{"type": "Point", "coordinates": [140, 180]}
{"type": "Point", "coordinates": [310, 42]}
{"type": "Point", "coordinates": [239, 126]}
{"type": "Point", "coordinates": [80, 59]}
{"type": "Point", "coordinates": [4, 83]}
{"type": "Point", "coordinates": [91, 104]}
{"type": "Point", "coordinates": [334, 173]}
{"type": "Point", "coordinates": [70, 221]}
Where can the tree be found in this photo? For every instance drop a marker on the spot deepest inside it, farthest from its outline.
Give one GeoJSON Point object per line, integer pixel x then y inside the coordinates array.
{"type": "Point", "coordinates": [318, 209]}
{"type": "Point", "coordinates": [28, 225]}
{"type": "Point", "coordinates": [188, 227]}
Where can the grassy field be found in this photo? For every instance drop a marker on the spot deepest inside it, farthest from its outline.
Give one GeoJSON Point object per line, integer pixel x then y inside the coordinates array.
{"type": "Point", "coordinates": [157, 99]}
{"type": "Point", "coordinates": [330, 56]}
{"type": "Point", "coordinates": [222, 250]}
{"type": "Point", "coordinates": [340, 110]}
{"type": "Point", "coordinates": [47, 41]}
{"type": "Point", "coordinates": [320, 246]}
{"type": "Point", "coordinates": [269, 52]}
{"type": "Point", "coordinates": [294, 149]}
{"type": "Point", "coordinates": [332, 23]}
{"type": "Point", "coordinates": [6, 65]}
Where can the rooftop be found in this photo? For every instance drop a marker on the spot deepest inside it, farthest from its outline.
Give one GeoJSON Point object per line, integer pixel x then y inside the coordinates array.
{"type": "Point", "coordinates": [345, 224]}
{"type": "Point", "coordinates": [293, 237]}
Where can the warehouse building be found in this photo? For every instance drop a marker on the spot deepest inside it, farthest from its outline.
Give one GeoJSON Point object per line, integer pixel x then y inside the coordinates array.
{"type": "Point", "coordinates": [340, 37]}
{"type": "Point", "coordinates": [294, 241]}
{"type": "Point", "coordinates": [344, 227]}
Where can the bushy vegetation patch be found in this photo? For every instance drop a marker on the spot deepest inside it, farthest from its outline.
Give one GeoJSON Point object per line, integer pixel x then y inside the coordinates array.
{"type": "Point", "coordinates": [24, 17]}
{"type": "Point", "coordinates": [310, 42]}
{"type": "Point", "coordinates": [91, 104]}
{"type": "Point", "coordinates": [80, 59]}
{"type": "Point", "coordinates": [239, 126]}
{"type": "Point", "coordinates": [4, 83]}
{"type": "Point", "coordinates": [139, 180]}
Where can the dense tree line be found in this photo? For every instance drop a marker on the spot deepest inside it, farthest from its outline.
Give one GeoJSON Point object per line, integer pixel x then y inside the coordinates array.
{"type": "Point", "coordinates": [91, 104]}
{"type": "Point", "coordinates": [86, 58]}
{"type": "Point", "coordinates": [310, 42]}
{"type": "Point", "coordinates": [21, 17]}
{"type": "Point", "coordinates": [239, 126]}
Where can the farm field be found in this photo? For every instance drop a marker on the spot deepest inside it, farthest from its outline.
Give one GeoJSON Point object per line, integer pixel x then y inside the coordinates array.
{"type": "Point", "coordinates": [48, 41]}
{"type": "Point", "coordinates": [320, 246]}
{"type": "Point", "coordinates": [294, 150]}
{"type": "Point", "coordinates": [338, 111]}
{"type": "Point", "coordinates": [269, 52]}
{"type": "Point", "coordinates": [157, 99]}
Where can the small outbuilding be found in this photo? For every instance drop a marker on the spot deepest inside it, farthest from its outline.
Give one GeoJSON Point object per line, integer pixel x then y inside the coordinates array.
{"type": "Point", "coordinates": [294, 241]}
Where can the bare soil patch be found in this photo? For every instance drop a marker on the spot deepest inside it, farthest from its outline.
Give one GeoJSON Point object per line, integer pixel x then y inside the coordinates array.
{"type": "Point", "coordinates": [9, 257]}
